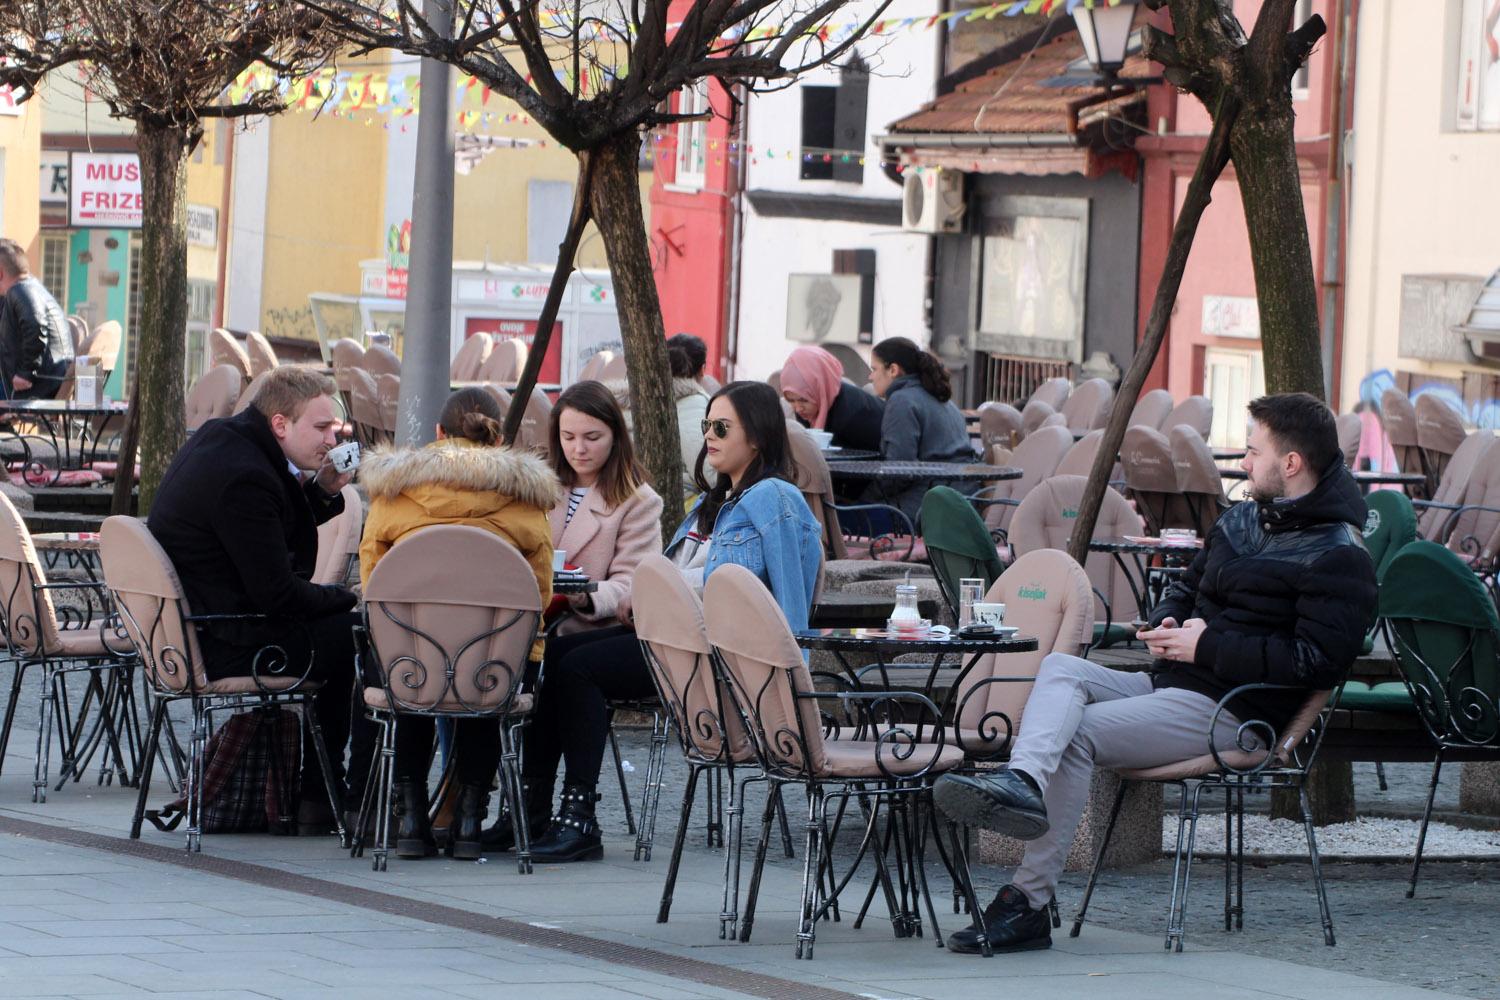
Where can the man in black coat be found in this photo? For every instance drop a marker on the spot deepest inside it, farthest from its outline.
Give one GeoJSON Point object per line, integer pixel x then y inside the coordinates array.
{"type": "Point", "coordinates": [1282, 593]}
{"type": "Point", "coordinates": [35, 348]}
{"type": "Point", "coordinates": [240, 525]}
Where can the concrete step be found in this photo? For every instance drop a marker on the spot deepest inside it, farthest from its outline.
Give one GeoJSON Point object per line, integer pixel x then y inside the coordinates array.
{"type": "Point", "coordinates": [40, 522]}
{"type": "Point", "coordinates": [78, 499]}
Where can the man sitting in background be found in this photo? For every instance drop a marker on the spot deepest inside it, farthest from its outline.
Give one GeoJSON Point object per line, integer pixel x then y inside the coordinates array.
{"type": "Point", "coordinates": [35, 348]}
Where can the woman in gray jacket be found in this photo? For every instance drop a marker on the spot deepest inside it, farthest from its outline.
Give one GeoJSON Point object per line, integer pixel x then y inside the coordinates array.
{"type": "Point", "coordinates": [921, 423]}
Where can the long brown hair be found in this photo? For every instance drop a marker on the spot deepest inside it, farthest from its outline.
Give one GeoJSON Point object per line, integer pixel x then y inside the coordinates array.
{"type": "Point", "coordinates": [472, 414]}
{"type": "Point", "coordinates": [622, 474]}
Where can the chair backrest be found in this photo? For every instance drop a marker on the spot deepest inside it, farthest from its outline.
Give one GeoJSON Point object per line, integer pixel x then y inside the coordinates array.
{"type": "Point", "coordinates": [1476, 533]}
{"type": "Point", "coordinates": [613, 369]}
{"type": "Point", "coordinates": [712, 385]}
{"type": "Point", "coordinates": [338, 541]}
{"type": "Point", "coordinates": [1446, 637]}
{"type": "Point", "coordinates": [1195, 411]}
{"type": "Point", "coordinates": [1351, 429]}
{"type": "Point", "coordinates": [856, 369]}
{"type": "Point", "coordinates": [225, 349]}
{"type": "Point", "coordinates": [78, 333]}
{"type": "Point", "coordinates": [959, 546]}
{"type": "Point", "coordinates": [1440, 430]}
{"type": "Point", "coordinates": [213, 395]}
{"type": "Point", "coordinates": [1399, 418]}
{"type": "Point", "coordinates": [470, 358]}
{"type": "Point", "coordinates": [1034, 414]}
{"type": "Point", "coordinates": [452, 612]}
{"type": "Point", "coordinates": [380, 360]}
{"type": "Point", "coordinates": [594, 365]}
{"type": "Point", "coordinates": [28, 617]}
{"type": "Point", "coordinates": [764, 672]}
{"type": "Point", "coordinates": [999, 423]}
{"type": "Point", "coordinates": [388, 399]}
{"type": "Point", "coordinates": [364, 404]}
{"type": "Point", "coordinates": [1198, 478]}
{"type": "Point", "coordinates": [1045, 520]}
{"type": "Point", "coordinates": [502, 397]}
{"type": "Point", "coordinates": [1390, 526]}
{"type": "Point", "coordinates": [153, 610]}
{"type": "Point", "coordinates": [1151, 480]}
{"type": "Point", "coordinates": [1079, 460]}
{"type": "Point", "coordinates": [248, 395]}
{"type": "Point", "coordinates": [1151, 409]}
{"type": "Point", "coordinates": [104, 344]}
{"type": "Point", "coordinates": [1037, 456]}
{"type": "Point", "coordinates": [345, 354]}
{"type": "Point", "coordinates": [1047, 595]}
{"type": "Point", "coordinates": [811, 476]}
{"type": "Point", "coordinates": [507, 358]}
{"type": "Point", "coordinates": [262, 354]}
{"type": "Point", "coordinates": [1054, 393]}
{"type": "Point", "coordinates": [774, 381]}
{"type": "Point", "coordinates": [533, 433]}
{"type": "Point", "coordinates": [1088, 406]}
{"type": "Point", "coordinates": [669, 622]}
{"type": "Point", "coordinates": [1466, 462]}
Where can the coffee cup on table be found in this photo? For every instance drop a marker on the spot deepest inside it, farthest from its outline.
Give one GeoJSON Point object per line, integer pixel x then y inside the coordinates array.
{"type": "Point", "coordinates": [559, 560]}
{"type": "Point", "coordinates": [989, 613]}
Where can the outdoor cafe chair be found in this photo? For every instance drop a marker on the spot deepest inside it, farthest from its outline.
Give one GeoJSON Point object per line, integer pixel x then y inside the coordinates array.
{"type": "Point", "coordinates": [506, 359]}
{"type": "Point", "coordinates": [59, 641]}
{"type": "Point", "coordinates": [1474, 527]}
{"type": "Point", "coordinates": [958, 544]}
{"type": "Point", "coordinates": [449, 618]}
{"type": "Point", "coordinates": [155, 616]}
{"type": "Point", "coordinates": [388, 402]}
{"type": "Point", "coordinates": [594, 366]}
{"type": "Point", "coordinates": [1088, 405]}
{"type": "Point", "coordinates": [78, 332]}
{"type": "Point", "coordinates": [1251, 765]}
{"type": "Point", "coordinates": [262, 355]}
{"type": "Point", "coordinates": [225, 349]}
{"type": "Point", "coordinates": [1151, 481]}
{"type": "Point", "coordinates": [338, 542]}
{"type": "Point", "coordinates": [1351, 428]}
{"type": "Point", "coordinates": [1442, 628]}
{"type": "Point", "coordinates": [999, 423]}
{"type": "Point", "coordinates": [1036, 413]}
{"type": "Point", "coordinates": [344, 356]}
{"type": "Point", "coordinates": [812, 476]}
{"type": "Point", "coordinates": [213, 396]}
{"type": "Point", "coordinates": [104, 344]}
{"type": "Point", "coordinates": [1195, 411]}
{"type": "Point", "coordinates": [248, 396]}
{"type": "Point", "coordinates": [1435, 520]}
{"type": "Point", "coordinates": [614, 368]}
{"type": "Point", "coordinates": [772, 692]}
{"type": "Point", "coordinates": [1053, 393]}
{"type": "Point", "coordinates": [1399, 418]}
{"type": "Point", "coordinates": [1198, 478]}
{"type": "Point", "coordinates": [535, 422]}
{"type": "Point", "coordinates": [380, 360]}
{"type": "Point", "coordinates": [364, 408]}
{"type": "Point", "coordinates": [1079, 460]}
{"type": "Point", "coordinates": [469, 361]}
{"type": "Point", "coordinates": [1037, 456]}
{"type": "Point", "coordinates": [1045, 520]}
{"type": "Point", "coordinates": [1151, 409]}
{"type": "Point", "coordinates": [1440, 430]}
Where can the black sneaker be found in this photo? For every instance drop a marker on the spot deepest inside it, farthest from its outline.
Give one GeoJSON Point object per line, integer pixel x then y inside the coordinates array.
{"type": "Point", "coordinates": [1004, 801]}
{"type": "Point", "coordinates": [1010, 924]}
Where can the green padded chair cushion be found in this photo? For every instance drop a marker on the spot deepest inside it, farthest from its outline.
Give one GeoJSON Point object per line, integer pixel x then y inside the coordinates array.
{"type": "Point", "coordinates": [1388, 696]}
{"type": "Point", "coordinates": [1109, 633]}
{"type": "Point", "coordinates": [958, 543]}
{"type": "Point", "coordinates": [1390, 526]}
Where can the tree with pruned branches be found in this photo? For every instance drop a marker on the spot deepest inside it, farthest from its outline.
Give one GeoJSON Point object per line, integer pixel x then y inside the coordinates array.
{"type": "Point", "coordinates": [164, 65]}
{"type": "Point", "coordinates": [597, 75]}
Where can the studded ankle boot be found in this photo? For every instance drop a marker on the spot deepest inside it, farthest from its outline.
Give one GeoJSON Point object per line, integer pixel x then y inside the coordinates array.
{"type": "Point", "coordinates": [501, 835]}
{"type": "Point", "coordinates": [574, 832]}
{"type": "Point", "coordinates": [413, 830]}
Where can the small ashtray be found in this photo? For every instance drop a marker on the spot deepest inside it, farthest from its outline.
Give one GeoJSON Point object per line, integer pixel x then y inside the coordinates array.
{"type": "Point", "coordinates": [908, 628]}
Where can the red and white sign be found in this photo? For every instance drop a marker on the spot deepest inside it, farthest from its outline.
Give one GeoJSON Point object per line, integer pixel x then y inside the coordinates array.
{"type": "Point", "coordinates": [104, 191]}
{"type": "Point", "coordinates": [9, 106]}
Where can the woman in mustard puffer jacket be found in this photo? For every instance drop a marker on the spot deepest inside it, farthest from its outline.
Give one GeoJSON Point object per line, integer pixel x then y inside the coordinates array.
{"type": "Point", "coordinates": [464, 477]}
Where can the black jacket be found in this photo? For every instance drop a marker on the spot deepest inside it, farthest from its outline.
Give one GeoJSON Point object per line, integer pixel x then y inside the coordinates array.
{"type": "Point", "coordinates": [240, 529]}
{"type": "Point", "coordinates": [33, 332]}
{"type": "Point", "coordinates": [854, 418]}
{"type": "Point", "coordinates": [1288, 592]}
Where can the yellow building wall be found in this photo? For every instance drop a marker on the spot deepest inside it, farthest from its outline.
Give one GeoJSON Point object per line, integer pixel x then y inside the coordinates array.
{"type": "Point", "coordinates": [205, 186]}
{"type": "Point", "coordinates": [21, 139]}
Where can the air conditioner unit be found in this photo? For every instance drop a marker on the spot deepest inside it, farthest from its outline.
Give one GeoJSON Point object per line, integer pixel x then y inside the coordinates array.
{"type": "Point", "coordinates": [933, 201]}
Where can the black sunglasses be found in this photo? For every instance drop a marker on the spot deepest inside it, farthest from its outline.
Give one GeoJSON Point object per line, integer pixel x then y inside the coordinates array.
{"type": "Point", "coordinates": [720, 427]}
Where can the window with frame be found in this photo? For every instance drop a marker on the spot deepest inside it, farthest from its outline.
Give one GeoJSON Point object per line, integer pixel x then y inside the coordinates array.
{"type": "Point", "coordinates": [833, 126]}
{"type": "Point", "coordinates": [692, 136]}
{"type": "Point", "coordinates": [132, 312]}
{"type": "Point", "coordinates": [55, 268]}
{"type": "Point", "coordinates": [200, 319]}
{"type": "Point", "coordinates": [1303, 77]}
{"type": "Point", "coordinates": [1477, 105]}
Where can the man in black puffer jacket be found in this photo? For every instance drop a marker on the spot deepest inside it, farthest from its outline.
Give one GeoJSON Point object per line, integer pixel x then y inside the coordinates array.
{"type": "Point", "coordinates": [1282, 593]}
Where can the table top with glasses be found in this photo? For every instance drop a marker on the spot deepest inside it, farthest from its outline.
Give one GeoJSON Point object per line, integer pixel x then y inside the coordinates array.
{"type": "Point", "coordinates": [842, 455]}
{"type": "Point", "coordinates": [1144, 544]}
{"type": "Point", "coordinates": [971, 472]}
{"type": "Point", "coordinates": [64, 407]}
{"type": "Point", "coordinates": [878, 640]}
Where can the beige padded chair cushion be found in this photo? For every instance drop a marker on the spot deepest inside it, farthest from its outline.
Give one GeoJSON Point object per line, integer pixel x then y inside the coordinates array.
{"type": "Point", "coordinates": [338, 539]}
{"type": "Point", "coordinates": [224, 349]}
{"type": "Point", "coordinates": [811, 475]}
{"type": "Point", "coordinates": [1054, 393]}
{"type": "Point", "coordinates": [863, 758]}
{"type": "Point", "coordinates": [81, 642]}
{"type": "Point", "coordinates": [1088, 405]}
{"type": "Point", "coordinates": [213, 396]}
{"type": "Point", "coordinates": [1037, 457]}
{"type": "Point", "coordinates": [1151, 409]}
{"type": "Point", "coordinates": [470, 358]}
{"type": "Point", "coordinates": [104, 344]}
{"type": "Point", "coordinates": [381, 360]}
{"type": "Point", "coordinates": [594, 366]}
{"type": "Point", "coordinates": [507, 358]}
{"type": "Point", "coordinates": [248, 396]}
{"type": "Point", "coordinates": [262, 354]}
{"type": "Point", "coordinates": [388, 400]}
{"type": "Point", "coordinates": [1351, 428]}
{"type": "Point", "coordinates": [1195, 411]}
{"type": "Point", "coordinates": [1000, 423]}
{"type": "Point", "coordinates": [144, 583]}
{"type": "Point", "coordinates": [376, 698]}
{"type": "Point", "coordinates": [1439, 427]}
{"type": "Point", "coordinates": [248, 685]}
{"type": "Point", "coordinates": [1471, 456]}
{"type": "Point", "coordinates": [1195, 767]}
{"type": "Point", "coordinates": [1036, 413]}
{"type": "Point", "coordinates": [1045, 521]}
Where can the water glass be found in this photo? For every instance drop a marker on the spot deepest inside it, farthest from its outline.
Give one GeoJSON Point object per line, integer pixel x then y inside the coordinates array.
{"type": "Point", "coordinates": [970, 592]}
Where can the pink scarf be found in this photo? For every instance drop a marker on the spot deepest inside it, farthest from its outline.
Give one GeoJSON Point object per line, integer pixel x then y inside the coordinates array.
{"type": "Point", "coordinates": [816, 374]}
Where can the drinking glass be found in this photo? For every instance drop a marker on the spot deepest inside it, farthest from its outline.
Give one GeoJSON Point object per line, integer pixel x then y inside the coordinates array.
{"type": "Point", "coordinates": [970, 592]}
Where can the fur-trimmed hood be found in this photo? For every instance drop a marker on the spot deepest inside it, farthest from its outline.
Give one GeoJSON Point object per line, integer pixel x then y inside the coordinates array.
{"type": "Point", "coordinates": [449, 472]}
{"type": "Point", "coordinates": [682, 388]}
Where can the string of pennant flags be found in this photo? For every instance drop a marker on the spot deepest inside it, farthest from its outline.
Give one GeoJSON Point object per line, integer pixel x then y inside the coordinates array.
{"type": "Point", "coordinates": [356, 93]}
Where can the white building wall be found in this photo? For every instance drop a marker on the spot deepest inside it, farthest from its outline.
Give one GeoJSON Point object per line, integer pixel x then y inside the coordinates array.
{"type": "Point", "coordinates": [903, 75]}
{"type": "Point", "coordinates": [1422, 193]}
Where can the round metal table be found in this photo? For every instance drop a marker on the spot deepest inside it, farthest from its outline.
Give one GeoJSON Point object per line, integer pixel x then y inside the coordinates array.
{"type": "Point", "coordinates": [842, 455]}
{"type": "Point", "coordinates": [952, 471]}
{"type": "Point", "coordinates": [1366, 478]}
{"type": "Point", "coordinates": [1137, 569]}
{"type": "Point", "coordinates": [59, 423]}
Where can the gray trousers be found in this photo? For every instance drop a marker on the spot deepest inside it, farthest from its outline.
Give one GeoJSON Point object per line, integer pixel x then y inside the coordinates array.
{"type": "Point", "coordinates": [1081, 714]}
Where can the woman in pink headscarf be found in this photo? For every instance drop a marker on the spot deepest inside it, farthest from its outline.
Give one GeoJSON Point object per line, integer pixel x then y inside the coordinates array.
{"type": "Point", "coordinates": [813, 384]}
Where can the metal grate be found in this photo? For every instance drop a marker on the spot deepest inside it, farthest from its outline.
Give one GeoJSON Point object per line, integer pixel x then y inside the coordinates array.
{"type": "Point", "coordinates": [1012, 380]}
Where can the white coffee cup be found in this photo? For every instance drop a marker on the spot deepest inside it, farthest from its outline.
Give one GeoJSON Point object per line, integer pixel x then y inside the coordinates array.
{"type": "Point", "coordinates": [989, 613]}
{"type": "Point", "coordinates": [345, 457]}
{"type": "Point", "coordinates": [824, 439]}
{"type": "Point", "coordinates": [559, 560]}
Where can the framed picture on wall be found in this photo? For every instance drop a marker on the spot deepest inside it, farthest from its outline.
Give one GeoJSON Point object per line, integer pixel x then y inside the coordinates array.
{"type": "Point", "coordinates": [1032, 270]}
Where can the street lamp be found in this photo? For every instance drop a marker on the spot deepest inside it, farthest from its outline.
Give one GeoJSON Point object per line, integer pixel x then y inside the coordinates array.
{"type": "Point", "coordinates": [1105, 33]}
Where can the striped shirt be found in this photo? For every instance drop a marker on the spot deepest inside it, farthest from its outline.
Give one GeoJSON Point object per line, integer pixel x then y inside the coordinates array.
{"type": "Point", "coordinates": [575, 499]}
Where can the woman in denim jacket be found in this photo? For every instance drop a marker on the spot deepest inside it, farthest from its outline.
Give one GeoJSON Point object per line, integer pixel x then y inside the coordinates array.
{"type": "Point", "coordinates": [750, 515]}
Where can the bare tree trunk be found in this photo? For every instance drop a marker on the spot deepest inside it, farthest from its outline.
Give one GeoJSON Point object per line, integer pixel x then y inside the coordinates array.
{"type": "Point", "coordinates": [161, 337]}
{"type": "Point", "coordinates": [1199, 193]}
{"type": "Point", "coordinates": [567, 251]}
{"type": "Point", "coordinates": [616, 202]}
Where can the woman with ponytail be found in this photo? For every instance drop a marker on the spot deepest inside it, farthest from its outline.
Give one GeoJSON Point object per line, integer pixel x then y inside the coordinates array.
{"type": "Point", "coordinates": [920, 424]}
{"type": "Point", "coordinates": [464, 477]}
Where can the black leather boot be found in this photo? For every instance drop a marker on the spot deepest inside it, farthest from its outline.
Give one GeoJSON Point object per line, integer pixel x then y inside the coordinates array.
{"type": "Point", "coordinates": [465, 834]}
{"type": "Point", "coordinates": [501, 835]}
{"type": "Point", "coordinates": [413, 829]}
{"type": "Point", "coordinates": [574, 832]}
